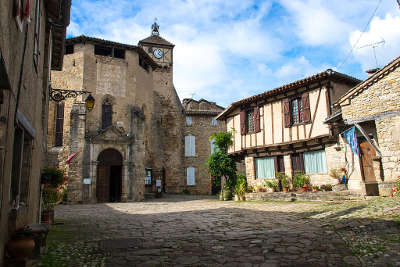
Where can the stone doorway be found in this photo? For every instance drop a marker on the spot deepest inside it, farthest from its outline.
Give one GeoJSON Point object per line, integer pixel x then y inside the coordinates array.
{"type": "Point", "coordinates": [109, 176]}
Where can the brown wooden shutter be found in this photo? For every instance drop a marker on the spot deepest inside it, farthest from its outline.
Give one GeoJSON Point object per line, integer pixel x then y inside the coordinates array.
{"type": "Point", "coordinates": [286, 112]}
{"type": "Point", "coordinates": [242, 123]}
{"type": "Point", "coordinates": [59, 124]}
{"type": "Point", "coordinates": [305, 99]}
{"type": "Point", "coordinates": [257, 119]}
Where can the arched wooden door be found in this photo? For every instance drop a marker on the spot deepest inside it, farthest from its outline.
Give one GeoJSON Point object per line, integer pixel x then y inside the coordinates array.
{"type": "Point", "coordinates": [109, 176]}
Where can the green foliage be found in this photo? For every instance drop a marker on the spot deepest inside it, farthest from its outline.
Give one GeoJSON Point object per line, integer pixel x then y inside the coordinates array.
{"type": "Point", "coordinates": [241, 185]}
{"type": "Point", "coordinates": [283, 178]}
{"type": "Point", "coordinates": [222, 140]}
{"type": "Point", "coordinates": [300, 180]}
{"type": "Point", "coordinates": [271, 183]}
{"type": "Point", "coordinates": [219, 163]}
{"type": "Point", "coordinates": [52, 176]}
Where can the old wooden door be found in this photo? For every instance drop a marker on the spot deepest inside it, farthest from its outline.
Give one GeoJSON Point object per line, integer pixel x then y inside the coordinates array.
{"type": "Point", "coordinates": [367, 155]}
{"type": "Point", "coordinates": [102, 184]}
{"type": "Point", "coordinates": [297, 163]}
{"type": "Point", "coordinates": [367, 164]}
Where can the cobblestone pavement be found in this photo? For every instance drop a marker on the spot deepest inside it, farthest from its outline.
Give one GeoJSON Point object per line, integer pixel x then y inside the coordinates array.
{"type": "Point", "coordinates": [202, 231]}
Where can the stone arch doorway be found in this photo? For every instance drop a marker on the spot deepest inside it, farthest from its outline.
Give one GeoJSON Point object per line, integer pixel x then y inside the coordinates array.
{"type": "Point", "coordinates": [109, 176]}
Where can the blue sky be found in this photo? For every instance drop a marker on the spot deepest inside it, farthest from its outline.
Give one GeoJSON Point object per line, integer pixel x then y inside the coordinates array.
{"type": "Point", "coordinates": [226, 50]}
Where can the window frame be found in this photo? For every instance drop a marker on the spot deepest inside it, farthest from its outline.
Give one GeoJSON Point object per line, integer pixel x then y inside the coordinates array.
{"type": "Point", "coordinates": [106, 121]}
{"type": "Point", "coordinates": [189, 121]}
{"type": "Point", "coordinates": [248, 112]}
{"type": "Point", "coordinates": [190, 142]}
{"type": "Point", "coordinates": [299, 115]}
{"type": "Point", "coordinates": [187, 176]}
{"type": "Point", "coordinates": [214, 122]}
{"type": "Point", "coordinates": [256, 174]}
{"type": "Point", "coordinates": [59, 127]}
{"type": "Point", "coordinates": [21, 167]}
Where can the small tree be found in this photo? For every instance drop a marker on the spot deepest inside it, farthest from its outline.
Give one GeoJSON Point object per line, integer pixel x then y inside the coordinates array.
{"type": "Point", "coordinates": [219, 163]}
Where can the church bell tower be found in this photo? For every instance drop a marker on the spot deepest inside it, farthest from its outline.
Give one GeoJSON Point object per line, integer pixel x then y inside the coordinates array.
{"type": "Point", "coordinates": [159, 49]}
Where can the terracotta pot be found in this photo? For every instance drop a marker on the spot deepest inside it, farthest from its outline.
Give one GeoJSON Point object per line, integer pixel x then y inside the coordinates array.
{"type": "Point", "coordinates": [315, 190]}
{"type": "Point", "coordinates": [285, 189]}
{"type": "Point", "coordinates": [237, 198]}
{"type": "Point", "coordinates": [21, 247]}
{"type": "Point", "coordinates": [48, 216]}
{"type": "Point", "coordinates": [303, 189]}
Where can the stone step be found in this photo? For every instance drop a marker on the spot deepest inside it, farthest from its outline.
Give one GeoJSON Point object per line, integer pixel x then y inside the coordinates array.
{"type": "Point", "coordinates": [305, 196]}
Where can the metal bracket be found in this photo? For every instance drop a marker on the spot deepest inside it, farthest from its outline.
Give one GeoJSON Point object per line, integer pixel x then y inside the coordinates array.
{"type": "Point", "coordinates": [58, 95]}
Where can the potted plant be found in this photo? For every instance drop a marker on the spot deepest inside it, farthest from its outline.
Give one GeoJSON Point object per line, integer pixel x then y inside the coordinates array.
{"type": "Point", "coordinates": [285, 184]}
{"type": "Point", "coordinates": [22, 243]}
{"type": "Point", "coordinates": [54, 188]}
{"type": "Point", "coordinates": [282, 176]}
{"type": "Point", "coordinates": [301, 181]}
{"type": "Point", "coordinates": [272, 185]}
{"type": "Point", "coordinates": [315, 188]}
{"type": "Point", "coordinates": [240, 187]}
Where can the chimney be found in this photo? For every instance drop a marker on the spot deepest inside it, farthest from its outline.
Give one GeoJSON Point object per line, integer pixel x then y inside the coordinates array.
{"type": "Point", "coordinates": [372, 71]}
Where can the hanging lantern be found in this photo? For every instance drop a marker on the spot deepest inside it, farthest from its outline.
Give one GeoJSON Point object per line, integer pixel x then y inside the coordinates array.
{"type": "Point", "coordinates": [90, 102]}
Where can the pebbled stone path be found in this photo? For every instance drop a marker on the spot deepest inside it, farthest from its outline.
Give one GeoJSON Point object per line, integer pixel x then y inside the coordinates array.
{"type": "Point", "coordinates": [202, 231]}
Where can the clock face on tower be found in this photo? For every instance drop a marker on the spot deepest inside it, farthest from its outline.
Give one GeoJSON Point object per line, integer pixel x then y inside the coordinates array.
{"type": "Point", "coordinates": [158, 53]}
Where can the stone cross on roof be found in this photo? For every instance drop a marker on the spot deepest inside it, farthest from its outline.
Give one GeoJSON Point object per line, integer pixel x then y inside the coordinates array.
{"type": "Point", "coordinates": [155, 28]}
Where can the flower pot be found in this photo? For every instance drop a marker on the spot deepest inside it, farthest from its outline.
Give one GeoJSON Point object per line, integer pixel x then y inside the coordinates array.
{"type": "Point", "coordinates": [303, 189]}
{"type": "Point", "coordinates": [48, 216]}
{"type": "Point", "coordinates": [221, 195]}
{"type": "Point", "coordinates": [236, 197]}
{"type": "Point", "coordinates": [242, 198]}
{"type": "Point", "coordinates": [21, 247]}
{"type": "Point", "coordinates": [315, 189]}
{"type": "Point", "coordinates": [285, 189]}
{"type": "Point", "coordinates": [227, 194]}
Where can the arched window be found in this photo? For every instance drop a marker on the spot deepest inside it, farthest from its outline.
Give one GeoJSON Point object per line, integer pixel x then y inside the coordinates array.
{"type": "Point", "coordinates": [106, 114]}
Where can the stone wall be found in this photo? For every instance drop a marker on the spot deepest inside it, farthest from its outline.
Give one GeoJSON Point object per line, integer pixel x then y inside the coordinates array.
{"type": "Point", "coordinates": [382, 96]}
{"type": "Point", "coordinates": [202, 112]}
{"type": "Point", "coordinates": [380, 103]}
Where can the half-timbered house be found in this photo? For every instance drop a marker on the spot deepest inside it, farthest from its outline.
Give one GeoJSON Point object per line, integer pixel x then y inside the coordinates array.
{"type": "Point", "coordinates": [283, 130]}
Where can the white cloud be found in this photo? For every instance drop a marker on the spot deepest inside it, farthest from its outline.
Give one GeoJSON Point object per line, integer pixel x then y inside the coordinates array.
{"type": "Point", "coordinates": [316, 24]}
{"type": "Point", "coordinates": [297, 68]}
{"type": "Point", "coordinates": [386, 29]}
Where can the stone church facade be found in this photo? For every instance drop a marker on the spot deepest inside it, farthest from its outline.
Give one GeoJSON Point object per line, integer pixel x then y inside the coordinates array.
{"type": "Point", "coordinates": [133, 136]}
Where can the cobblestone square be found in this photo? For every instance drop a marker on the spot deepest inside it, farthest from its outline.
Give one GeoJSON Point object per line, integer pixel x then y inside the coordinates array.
{"type": "Point", "coordinates": [202, 231]}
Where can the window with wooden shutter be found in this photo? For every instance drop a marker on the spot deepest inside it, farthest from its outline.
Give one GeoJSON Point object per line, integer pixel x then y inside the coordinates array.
{"type": "Point", "coordinates": [286, 112]}
{"type": "Point", "coordinates": [242, 123]}
{"type": "Point", "coordinates": [257, 119]}
{"type": "Point", "coordinates": [305, 99]}
{"type": "Point", "coordinates": [190, 176]}
{"type": "Point", "coordinates": [106, 118]}
{"type": "Point", "coordinates": [190, 146]}
{"type": "Point", "coordinates": [59, 124]}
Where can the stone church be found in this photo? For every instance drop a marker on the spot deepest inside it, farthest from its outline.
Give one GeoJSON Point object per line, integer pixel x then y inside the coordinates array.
{"type": "Point", "coordinates": [132, 142]}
